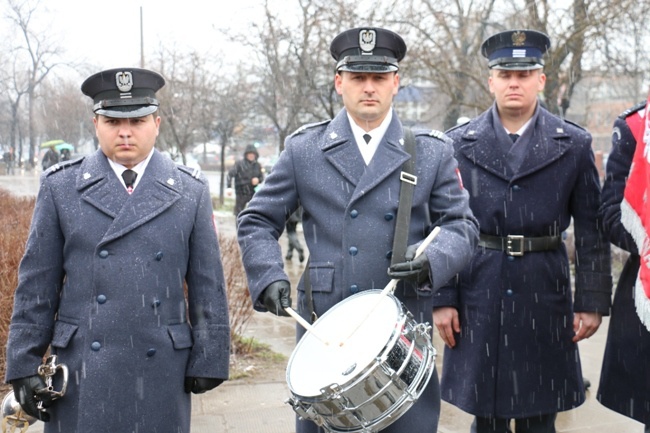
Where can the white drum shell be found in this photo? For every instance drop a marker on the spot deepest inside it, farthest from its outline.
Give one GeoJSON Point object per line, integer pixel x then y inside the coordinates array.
{"type": "Point", "coordinates": [365, 381]}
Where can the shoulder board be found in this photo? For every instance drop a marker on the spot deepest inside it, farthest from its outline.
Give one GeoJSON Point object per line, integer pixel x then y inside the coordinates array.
{"type": "Point", "coordinates": [61, 165]}
{"type": "Point", "coordinates": [194, 172]}
{"type": "Point", "coordinates": [303, 128]}
{"type": "Point", "coordinates": [432, 133]}
{"type": "Point", "coordinates": [638, 107]}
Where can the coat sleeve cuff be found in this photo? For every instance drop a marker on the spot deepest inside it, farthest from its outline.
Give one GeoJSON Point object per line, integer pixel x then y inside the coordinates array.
{"type": "Point", "coordinates": [210, 356]}
{"type": "Point", "coordinates": [26, 347]}
{"type": "Point", "coordinates": [446, 296]}
{"type": "Point", "coordinates": [593, 293]}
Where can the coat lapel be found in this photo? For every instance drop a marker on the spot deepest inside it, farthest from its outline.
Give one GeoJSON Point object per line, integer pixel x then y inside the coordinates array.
{"type": "Point", "coordinates": [157, 191]}
{"type": "Point", "coordinates": [547, 144]}
{"type": "Point", "coordinates": [99, 186]}
{"type": "Point", "coordinates": [389, 157]}
{"type": "Point", "coordinates": [480, 145]}
{"type": "Point", "coordinates": [341, 151]}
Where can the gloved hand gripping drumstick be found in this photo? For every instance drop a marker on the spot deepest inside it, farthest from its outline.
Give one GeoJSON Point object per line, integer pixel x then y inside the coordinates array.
{"type": "Point", "coordinates": [277, 299]}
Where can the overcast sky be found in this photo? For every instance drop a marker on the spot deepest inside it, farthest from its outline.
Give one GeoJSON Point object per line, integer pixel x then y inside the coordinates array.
{"type": "Point", "coordinates": [107, 34]}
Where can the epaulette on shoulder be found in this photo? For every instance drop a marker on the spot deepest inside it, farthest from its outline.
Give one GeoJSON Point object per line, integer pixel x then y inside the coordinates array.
{"type": "Point", "coordinates": [193, 172]}
{"type": "Point", "coordinates": [638, 107]}
{"type": "Point", "coordinates": [63, 165]}
{"type": "Point", "coordinates": [303, 128]}
{"type": "Point", "coordinates": [432, 133]}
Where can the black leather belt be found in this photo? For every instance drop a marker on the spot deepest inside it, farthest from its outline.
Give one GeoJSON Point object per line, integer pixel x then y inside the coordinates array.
{"type": "Point", "coordinates": [517, 245]}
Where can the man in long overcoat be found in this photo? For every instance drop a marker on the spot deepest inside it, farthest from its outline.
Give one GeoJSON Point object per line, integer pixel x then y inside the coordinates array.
{"type": "Point", "coordinates": [509, 321]}
{"type": "Point", "coordinates": [625, 376]}
{"type": "Point", "coordinates": [102, 280]}
{"type": "Point", "coordinates": [349, 187]}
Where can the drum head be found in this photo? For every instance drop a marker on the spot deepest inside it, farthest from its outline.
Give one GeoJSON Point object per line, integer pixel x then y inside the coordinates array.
{"type": "Point", "coordinates": [315, 365]}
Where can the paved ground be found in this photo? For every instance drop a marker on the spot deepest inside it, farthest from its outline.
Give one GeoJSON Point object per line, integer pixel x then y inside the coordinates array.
{"type": "Point", "coordinates": [246, 405]}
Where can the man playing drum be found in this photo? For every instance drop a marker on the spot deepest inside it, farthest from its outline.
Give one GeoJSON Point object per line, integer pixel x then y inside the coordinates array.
{"type": "Point", "coordinates": [346, 174]}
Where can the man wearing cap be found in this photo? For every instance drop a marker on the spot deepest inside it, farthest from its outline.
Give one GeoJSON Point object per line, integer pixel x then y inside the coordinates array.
{"type": "Point", "coordinates": [509, 321]}
{"type": "Point", "coordinates": [346, 175]}
{"type": "Point", "coordinates": [115, 236]}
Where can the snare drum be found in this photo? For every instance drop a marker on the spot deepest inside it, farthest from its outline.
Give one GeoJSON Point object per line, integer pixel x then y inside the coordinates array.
{"type": "Point", "coordinates": [365, 381]}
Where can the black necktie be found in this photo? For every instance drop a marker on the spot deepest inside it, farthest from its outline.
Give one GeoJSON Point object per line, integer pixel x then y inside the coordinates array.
{"type": "Point", "coordinates": [513, 137]}
{"type": "Point", "coordinates": [367, 137]}
{"type": "Point", "coordinates": [129, 179]}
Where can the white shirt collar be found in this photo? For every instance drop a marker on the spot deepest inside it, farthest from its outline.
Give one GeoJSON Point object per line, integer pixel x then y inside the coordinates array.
{"type": "Point", "coordinates": [521, 130]}
{"type": "Point", "coordinates": [377, 134]}
{"type": "Point", "coordinates": [139, 168]}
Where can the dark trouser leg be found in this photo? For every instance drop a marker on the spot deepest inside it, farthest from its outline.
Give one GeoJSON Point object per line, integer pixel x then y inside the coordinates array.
{"type": "Point", "coordinates": [490, 425]}
{"type": "Point", "coordinates": [536, 424]}
{"type": "Point", "coordinates": [647, 428]}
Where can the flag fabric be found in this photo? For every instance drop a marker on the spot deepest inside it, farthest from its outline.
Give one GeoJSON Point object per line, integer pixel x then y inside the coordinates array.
{"type": "Point", "coordinates": [635, 209]}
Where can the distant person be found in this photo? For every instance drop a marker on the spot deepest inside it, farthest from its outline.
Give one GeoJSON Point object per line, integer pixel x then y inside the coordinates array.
{"type": "Point", "coordinates": [246, 174]}
{"type": "Point", "coordinates": [9, 158]}
{"type": "Point", "coordinates": [510, 321]}
{"type": "Point", "coordinates": [50, 158]}
{"type": "Point", "coordinates": [292, 236]}
{"type": "Point", "coordinates": [117, 240]}
{"type": "Point", "coordinates": [625, 376]}
{"type": "Point", "coordinates": [65, 155]}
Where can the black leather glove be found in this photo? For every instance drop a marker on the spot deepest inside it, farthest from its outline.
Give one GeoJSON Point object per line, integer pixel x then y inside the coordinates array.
{"type": "Point", "coordinates": [413, 270]}
{"type": "Point", "coordinates": [199, 385]}
{"type": "Point", "coordinates": [26, 393]}
{"type": "Point", "coordinates": [277, 297]}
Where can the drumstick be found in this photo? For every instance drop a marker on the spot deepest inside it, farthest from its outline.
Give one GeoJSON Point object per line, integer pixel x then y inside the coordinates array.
{"type": "Point", "coordinates": [392, 283]}
{"type": "Point", "coordinates": [305, 324]}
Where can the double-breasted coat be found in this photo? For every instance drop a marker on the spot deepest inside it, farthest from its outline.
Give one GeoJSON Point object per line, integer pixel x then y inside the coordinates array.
{"type": "Point", "coordinates": [625, 377]}
{"type": "Point", "coordinates": [514, 357]}
{"type": "Point", "coordinates": [349, 212]}
{"type": "Point", "coordinates": [101, 283]}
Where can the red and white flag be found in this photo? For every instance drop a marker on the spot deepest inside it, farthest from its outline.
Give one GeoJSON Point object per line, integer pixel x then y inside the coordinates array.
{"type": "Point", "coordinates": [635, 209]}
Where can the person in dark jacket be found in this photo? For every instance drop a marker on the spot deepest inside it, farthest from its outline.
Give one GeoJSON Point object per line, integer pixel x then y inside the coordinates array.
{"type": "Point", "coordinates": [509, 321]}
{"type": "Point", "coordinates": [247, 174]}
{"type": "Point", "coordinates": [115, 238]}
{"type": "Point", "coordinates": [50, 158]}
{"type": "Point", "coordinates": [625, 376]}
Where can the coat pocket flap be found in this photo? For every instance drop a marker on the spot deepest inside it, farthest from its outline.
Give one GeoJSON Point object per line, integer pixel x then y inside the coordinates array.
{"type": "Point", "coordinates": [181, 335]}
{"type": "Point", "coordinates": [321, 276]}
{"type": "Point", "coordinates": [63, 333]}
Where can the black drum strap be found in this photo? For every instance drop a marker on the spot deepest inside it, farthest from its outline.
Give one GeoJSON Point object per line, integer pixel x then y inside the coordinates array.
{"type": "Point", "coordinates": [409, 180]}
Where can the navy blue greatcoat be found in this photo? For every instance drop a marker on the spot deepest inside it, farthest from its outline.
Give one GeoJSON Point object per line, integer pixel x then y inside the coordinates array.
{"type": "Point", "coordinates": [101, 282]}
{"type": "Point", "coordinates": [514, 357]}
{"type": "Point", "coordinates": [349, 214]}
{"type": "Point", "coordinates": [625, 376]}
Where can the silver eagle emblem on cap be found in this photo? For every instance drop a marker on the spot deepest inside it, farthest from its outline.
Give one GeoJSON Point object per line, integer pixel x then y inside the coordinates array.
{"type": "Point", "coordinates": [124, 81]}
{"type": "Point", "coordinates": [367, 40]}
{"type": "Point", "coordinates": [518, 39]}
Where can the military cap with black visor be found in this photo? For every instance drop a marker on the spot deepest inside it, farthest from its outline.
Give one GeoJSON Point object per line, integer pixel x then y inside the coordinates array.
{"type": "Point", "coordinates": [124, 92]}
{"type": "Point", "coordinates": [516, 50]}
{"type": "Point", "coordinates": [368, 49]}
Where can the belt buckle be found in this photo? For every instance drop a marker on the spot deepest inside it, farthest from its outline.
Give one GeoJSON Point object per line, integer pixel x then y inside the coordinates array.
{"type": "Point", "coordinates": [515, 240]}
